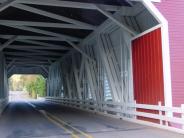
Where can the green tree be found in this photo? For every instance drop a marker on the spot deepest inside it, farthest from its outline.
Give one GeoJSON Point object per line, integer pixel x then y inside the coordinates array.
{"type": "Point", "coordinates": [36, 86]}
{"type": "Point", "coordinates": [33, 84]}
{"type": "Point", "coordinates": [40, 86]}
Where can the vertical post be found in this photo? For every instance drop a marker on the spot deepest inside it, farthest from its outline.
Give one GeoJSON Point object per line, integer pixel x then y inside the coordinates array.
{"type": "Point", "coordinates": [160, 111]}
{"type": "Point", "coordinates": [182, 115]}
{"type": "Point", "coordinates": [135, 109]}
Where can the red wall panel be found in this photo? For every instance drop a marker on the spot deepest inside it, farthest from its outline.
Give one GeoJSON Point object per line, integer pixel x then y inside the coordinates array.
{"type": "Point", "coordinates": [148, 69]}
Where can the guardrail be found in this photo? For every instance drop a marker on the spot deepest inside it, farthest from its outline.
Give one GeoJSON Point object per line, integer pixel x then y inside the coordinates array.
{"type": "Point", "coordinates": [152, 115]}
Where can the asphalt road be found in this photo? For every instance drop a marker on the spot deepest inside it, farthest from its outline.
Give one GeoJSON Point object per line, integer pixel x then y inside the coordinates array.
{"type": "Point", "coordinates": [44, 120]}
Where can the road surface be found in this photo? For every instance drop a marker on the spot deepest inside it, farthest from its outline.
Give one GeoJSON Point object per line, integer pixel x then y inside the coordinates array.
{"type": "Point", "coordinates": [44, 120]}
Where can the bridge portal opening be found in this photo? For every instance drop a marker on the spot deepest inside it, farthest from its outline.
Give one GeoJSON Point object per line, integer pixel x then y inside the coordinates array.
{"type": "Point", "coordinates": [26, 87]}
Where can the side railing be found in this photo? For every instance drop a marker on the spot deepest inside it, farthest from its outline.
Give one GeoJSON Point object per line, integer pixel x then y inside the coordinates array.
{"type": "Point", "coordinates": [170, 118]}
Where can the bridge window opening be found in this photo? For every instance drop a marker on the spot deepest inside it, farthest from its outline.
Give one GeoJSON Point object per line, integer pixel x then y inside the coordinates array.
{"type": "Point", "coordinates": [26, 87]}
{"type": "Point", "coordinates": [107, 89]}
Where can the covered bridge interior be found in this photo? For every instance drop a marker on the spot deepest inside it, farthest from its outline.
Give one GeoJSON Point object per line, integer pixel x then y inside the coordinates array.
{"type": "Point", "coordinates": [89, 51]}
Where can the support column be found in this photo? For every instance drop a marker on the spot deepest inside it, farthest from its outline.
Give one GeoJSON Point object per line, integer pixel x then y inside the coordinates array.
{"type": "Point", "coordinates": [1, 75]}
{"type": "Point", "coordinates": [3, 82]}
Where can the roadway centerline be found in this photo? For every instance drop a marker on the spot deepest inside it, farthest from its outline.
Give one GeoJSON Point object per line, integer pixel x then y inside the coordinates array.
{"type": "Point", "coordinates": [64, 125]}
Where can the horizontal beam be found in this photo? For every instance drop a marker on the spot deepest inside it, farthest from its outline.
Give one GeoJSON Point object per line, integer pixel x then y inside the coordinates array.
{"type": "Point", "coordinates": [68, 4]}
{"type": "Point", "coordinates": [19, 57]}
{"type": "Point", "coordinates": [43, 24]}
{"type": "Point", "coordinates": [11, 40]}
{"type": "Point", "coordinates": [44, 44]}
{"type": "Point", "coordinates": [33, 54]}
{"type": "Point", "coordinates": [148, 0]}
{"type": "Point", "coordinates": [37, 51]}
{"type": "Point", "coordinates": [110, 16]}
{"type": "Point", "coordinates": [10, 63]}
{"type": "Point", "coordinates": [6, 4]}
{"type": "Point", "coordinates": [44, 32]}
{"type": "Point", "coordinates": [26, 60]}
{"type": "Point", "coordinates": [24, 47]}
{"type": "Point", "coordinates": [22, 37]}
{"type": "Point", "coordinates": [80, 51]}
{"type": "Point", "coordinates": [52, 15]}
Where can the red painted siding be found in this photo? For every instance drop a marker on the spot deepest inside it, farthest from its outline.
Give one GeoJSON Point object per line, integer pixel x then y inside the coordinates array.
{"type": "Point", "coordinates": [148, 69]}
{"type": "Point", "coordinates": [173, 10]}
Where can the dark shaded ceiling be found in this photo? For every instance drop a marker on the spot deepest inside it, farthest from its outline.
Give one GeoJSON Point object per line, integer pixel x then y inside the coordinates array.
{"type": "Point", "coordinates": [91, 17]}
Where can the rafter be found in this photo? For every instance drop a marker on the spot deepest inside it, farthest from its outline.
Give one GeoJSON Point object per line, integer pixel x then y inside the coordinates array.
{"type": "Point", "coordinates": [6, 4]}
{"type": "Point", "coordinates": [68, 4]}
{"type": "Point", "coordinates": [29, 61]}
{"type": "Point", "coordinates": [44, 44]}
{"type": "Point", "coordinates": [44, 68]}
{"type": "Point", "coordinates": [26, 57]}
{"type": "Point", "coordinates": [36, 50]}
{"type": "Point", "coordinates": [11, 68]}
{"type": "Point", "coordinates": [43, 24]}
{"type": "Point", "coordinates": [26, 60]}
{"type": "Point", "coordinates": [52, 15]}
{"type": "Point", "coordinates": [44, 32]}
{"type": "Point", "coordinates": [79, 50]}
{"type": "Point", "coordinates": [20, 37]}
{"type": "Point", "coordinates": [24, 47]}
{"type": "Point", "coordinates": [34, 54]}
{"type": "Point", "coordinates": [11, 40]}
{"type": "Point", "coordinates": [119, 23]}
{"type": "Point", "coordinates": [11, 63]}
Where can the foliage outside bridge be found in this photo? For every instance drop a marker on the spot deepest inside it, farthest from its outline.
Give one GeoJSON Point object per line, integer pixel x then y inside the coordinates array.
{"type": "Point", "coordinates": [33, 84]}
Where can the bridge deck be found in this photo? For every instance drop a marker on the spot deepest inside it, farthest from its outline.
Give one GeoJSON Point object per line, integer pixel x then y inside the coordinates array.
{"type": "Point", "coordinates": [37, 119]}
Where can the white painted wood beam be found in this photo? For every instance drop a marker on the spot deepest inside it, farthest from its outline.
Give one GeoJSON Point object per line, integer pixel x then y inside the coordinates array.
{"type": "Point", "coordinates": [41, 66]}
{"type": "Point", "coordinates": [40, 31]}
{"type": "Point", "coordinates": [33, 54]}
{"type": "Point", "coordinates": [11, 40]}
{"type": "Point", "coordinates": [29, 61]}
{"type": "Point", "coordinates": [119, 23]}
{"type": "Point", "coordinates": [19, 57]}
{"type": "Point", "coordinates": [68, 4]}
{"type": "Point", "coordinates": [147, 0]}
{"type": "Point", "coordinates": [6, 4]}
{"type": "Point", "coordinates": [43, 24]}
{"type": "Point", "coordinates": [79, 50]}
{"type": "Point", "coordinates": [52, 15]}
{"type": "Point", "coordinates": [43, 44]}
{"type": "Point", "coordinates": [48, 38]}
{"type": "Point", "coordinates": [11, 63]}
{"type": "Point", "coordinates": [50, 61]}
{"type": "Point", "coordinates": [11, 68]}
{"type": "Point", "coordinates": [24, 47]}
